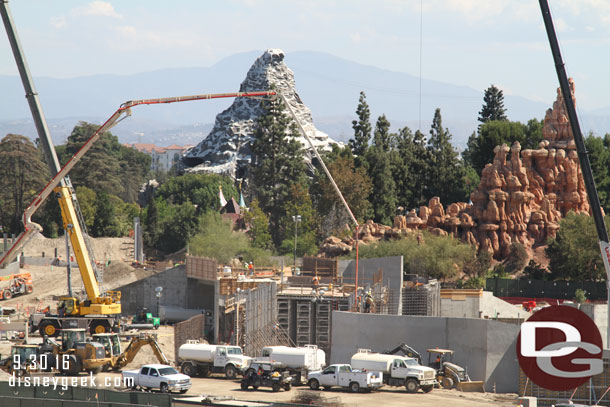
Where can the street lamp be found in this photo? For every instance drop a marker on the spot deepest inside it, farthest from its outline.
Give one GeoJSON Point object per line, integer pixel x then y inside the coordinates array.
{"type": "Point", "coordinates": [296, 219]}
{"type": "Point", "coordinates": [158, 293]}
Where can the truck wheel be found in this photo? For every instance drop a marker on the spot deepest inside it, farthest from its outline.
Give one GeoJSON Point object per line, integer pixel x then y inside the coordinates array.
{"type": "Point", "coordinates": [29, 289]}
{"type": "Point", "coordinates": [99, 327]}
{"type": "Point", "coordinates": [287, 386]}
{"type": "Point", "coordinates": [164, 388]}
{"type": "Point", "coordinates": [244, 386]}
{"type": "Point", "coordinates": [188, 369]}
{"type": "Point", "coordinates": [48, 328]}
{"type": "Point", "coordinates": [249, 372]}
{"type": "Point", "coordinates": [427, 389]}
{"type": "Point", "coordinates": [74, 366]}
{"type": "Point", "coordinates": [314, 384]}
{"type": "Point", "coordinates": [275, 387]}
{"type": "Point", "coordinates": [7, 295]}
{"type": "Point", "coordinates": [354, 387]}
{"type": "Point", "coordinates": [412, 386]}
{"type": "Point", "coordinates": [447, 383]}
{"type": "Point", "coordinates": [230, 372]}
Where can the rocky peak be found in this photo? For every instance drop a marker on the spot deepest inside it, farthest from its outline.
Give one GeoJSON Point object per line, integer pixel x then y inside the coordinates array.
{"type": "Point", "coordinates": [227, 148]}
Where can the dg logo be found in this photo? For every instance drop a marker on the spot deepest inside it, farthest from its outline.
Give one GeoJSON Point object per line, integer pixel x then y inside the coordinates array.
{"type": "Point", "coordinates": [559, 348]}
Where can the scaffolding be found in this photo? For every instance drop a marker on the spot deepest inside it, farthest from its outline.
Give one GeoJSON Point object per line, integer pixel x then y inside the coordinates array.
{"type": "Point", "coordinates": [421, 298]}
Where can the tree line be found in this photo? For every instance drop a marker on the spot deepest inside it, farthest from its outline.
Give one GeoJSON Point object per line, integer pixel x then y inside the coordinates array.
{"type": "Point", "coordinates": [380, 172]}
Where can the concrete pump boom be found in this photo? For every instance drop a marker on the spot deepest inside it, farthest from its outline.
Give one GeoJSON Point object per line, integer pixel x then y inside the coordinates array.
{"type": "Point", "coordinates": [121, 113]}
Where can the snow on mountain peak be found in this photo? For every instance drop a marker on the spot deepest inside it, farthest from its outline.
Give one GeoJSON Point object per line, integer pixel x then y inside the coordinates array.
{"type": "Point", "coordinates": [226, 149]}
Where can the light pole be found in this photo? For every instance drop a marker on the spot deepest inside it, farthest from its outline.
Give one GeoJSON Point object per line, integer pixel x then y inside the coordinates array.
{"type": "Point", "coordinates": [158, 293]}
{"type": "Point", "coordinates": [296, 219]}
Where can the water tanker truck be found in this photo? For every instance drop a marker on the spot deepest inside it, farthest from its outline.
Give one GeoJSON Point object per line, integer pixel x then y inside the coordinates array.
{"type": "Point", "coordinates": [397, 370]}
{"type": "Point", "coordinates": [201, 359]}
{"type": "Point", "coordinates": [298, 361]}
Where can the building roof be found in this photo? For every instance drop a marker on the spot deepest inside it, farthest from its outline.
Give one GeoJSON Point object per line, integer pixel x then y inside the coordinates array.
{"type": "Point", "coordinates": [231, 207]}
{"type": "Point", "coordinates": [149, 148]}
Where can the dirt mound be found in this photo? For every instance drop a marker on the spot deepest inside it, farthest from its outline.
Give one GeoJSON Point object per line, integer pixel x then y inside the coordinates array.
{"type": "Point", "coordinates": [104, 248]}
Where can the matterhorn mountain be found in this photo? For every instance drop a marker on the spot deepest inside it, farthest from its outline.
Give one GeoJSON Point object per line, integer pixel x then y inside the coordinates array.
{"type": "Point", "coordinates": [226, 150]}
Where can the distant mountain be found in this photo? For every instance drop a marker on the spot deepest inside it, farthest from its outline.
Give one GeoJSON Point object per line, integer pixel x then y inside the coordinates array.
{"type": "Point", "coordinates": [328, 85]}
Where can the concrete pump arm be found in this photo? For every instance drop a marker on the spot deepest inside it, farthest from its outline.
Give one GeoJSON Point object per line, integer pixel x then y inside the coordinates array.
{"type": "Point", "coordinates": [64, 193]}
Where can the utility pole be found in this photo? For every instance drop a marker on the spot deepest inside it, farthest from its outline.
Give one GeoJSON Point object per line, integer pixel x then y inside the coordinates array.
{"type": "Point", "coordinates": [581, 149]}
{"type": "Point", "coordinates": [296, 220]}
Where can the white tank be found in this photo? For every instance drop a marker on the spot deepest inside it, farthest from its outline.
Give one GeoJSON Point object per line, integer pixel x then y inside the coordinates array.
{"type": "Point", "coordinates": [308, 357]}
{"type": "Point", "coordinates": [373, 361]}
{"type": "Point", "coordinates": [200, 352]}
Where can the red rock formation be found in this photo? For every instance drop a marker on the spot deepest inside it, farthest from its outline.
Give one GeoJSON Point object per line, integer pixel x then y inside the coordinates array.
{"type": "Point", "coordinates": [521, 197]}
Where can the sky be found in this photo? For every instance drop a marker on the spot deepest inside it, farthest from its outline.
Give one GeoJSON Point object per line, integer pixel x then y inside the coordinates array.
{"type": "Point", "coordinates": [473, 43]}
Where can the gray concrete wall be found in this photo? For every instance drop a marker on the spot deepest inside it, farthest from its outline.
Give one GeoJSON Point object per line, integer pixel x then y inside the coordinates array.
{"type": "Point", "coordinates": [484, 347]}
{"type": "Point", "coordinates": [481, 307]}
{"type": "Point", "coordinates": [392, 274]}
{"type": "Point", "coordinates": [199, 294]}
{"type": "Point", "coordinates": [141, 293]}
{"type": "Point", "coordinates": [599, 314]}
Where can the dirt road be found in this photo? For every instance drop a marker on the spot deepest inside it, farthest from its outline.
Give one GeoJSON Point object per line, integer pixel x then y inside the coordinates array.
{"type": "Point", "coordinates": [387, 396]}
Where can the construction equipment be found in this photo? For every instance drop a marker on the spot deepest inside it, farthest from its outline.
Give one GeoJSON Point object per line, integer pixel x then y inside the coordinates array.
{"type": "Point", "coordinates": [449, 374]}
{"type": "Point", "coordinates": [19, 284]}
{"type": "Point", "coordinates": [116, 360]}
{"type": "Point", "coordinates": [22, 361]}
{"type": "Point", "coordinates": [74, 355]}
{"type": "Point", "coordinates": [145, 320]}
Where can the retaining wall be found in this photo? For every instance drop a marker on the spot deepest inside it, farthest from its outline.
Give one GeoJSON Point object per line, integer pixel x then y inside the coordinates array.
{"type": "Point", "coordinates": [484, 347]}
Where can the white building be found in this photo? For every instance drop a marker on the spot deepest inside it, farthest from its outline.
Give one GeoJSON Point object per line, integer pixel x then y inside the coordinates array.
{"type": "Point", "coordinates": [163, 158]}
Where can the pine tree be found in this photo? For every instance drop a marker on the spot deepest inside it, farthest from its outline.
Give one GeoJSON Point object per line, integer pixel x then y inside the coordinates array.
{"type": "Point", "coordinates": [362, 131]}
{"type": "Point", "coordinates": [277, 163]}
{"type": "Point", "coordinates": [382, 136]}
{"type": "Point", "coordinates": [446, 171]}
{"type": "Point", "coordinates": [493, 108]}
{"type": "Point", "coordinates": [383, 197]}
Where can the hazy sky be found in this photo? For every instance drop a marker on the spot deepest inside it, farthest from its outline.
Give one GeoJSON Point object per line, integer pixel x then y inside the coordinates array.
{"type": "Point", "coordinates": [465, 42]}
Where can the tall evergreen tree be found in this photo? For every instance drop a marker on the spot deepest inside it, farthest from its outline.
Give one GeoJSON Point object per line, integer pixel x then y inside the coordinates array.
{"type": "Point", "coordinates": [446, 171]}
{"type": "Point", "coordinates": [493, 106]}
{"type": "Point", "coordinates": [383, 196]}
{"type": "Point", "coordinates": [277, 164]}
{"type": "Point", "coordinates": [362, 131]}
{"type": "Point", "coordinates": [382, 137]}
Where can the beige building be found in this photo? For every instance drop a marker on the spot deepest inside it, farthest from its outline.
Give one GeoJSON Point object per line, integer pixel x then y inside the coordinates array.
{"type": "Point", "coordinates": [163, 158]}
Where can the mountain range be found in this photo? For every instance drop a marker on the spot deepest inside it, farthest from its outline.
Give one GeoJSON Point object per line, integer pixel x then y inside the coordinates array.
{"type": "Point", "coordinates": [328, 85]}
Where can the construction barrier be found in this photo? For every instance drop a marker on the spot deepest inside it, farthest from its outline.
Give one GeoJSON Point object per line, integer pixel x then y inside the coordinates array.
{"type": "Point", "coordinates": [28, 396]}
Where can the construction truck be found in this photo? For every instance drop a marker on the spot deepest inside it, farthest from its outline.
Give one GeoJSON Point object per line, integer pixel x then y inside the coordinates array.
{"type": "Point", "coordinates": [397, 370]}
{"type": "Point", "coordinates": [203, 359]}
{"type": "Point", "coordinates": [298, 361]}
{"type": "Point", "coordinates": [118, 359]}
{"type": "Point", "coordinates": [448, 374]}
{"type": "Point", "coordinates": [18, 284]}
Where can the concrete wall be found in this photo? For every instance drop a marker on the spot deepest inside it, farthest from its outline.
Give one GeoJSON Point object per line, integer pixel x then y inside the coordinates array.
{"type": "Point", "coordinates": [141, 293]}
{"type": "Point", "coordinates": [392, 274]}
{"type": "Point", "coordinates": [480, 307]}
{"type": "Point", "coordinates": [484, 347]}
{"type": "Point", "coordinates": [599, 314]}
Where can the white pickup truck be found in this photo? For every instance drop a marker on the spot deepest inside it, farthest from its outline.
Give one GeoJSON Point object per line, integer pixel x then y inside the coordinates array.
{"type": "Point", "coordinates": [344, 376]}
{"type": "Point", "coordinates": [162, 377]}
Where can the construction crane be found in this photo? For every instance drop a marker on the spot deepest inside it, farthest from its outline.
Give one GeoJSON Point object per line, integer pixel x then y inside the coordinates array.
{"type": "Point", "coordinates": [100, 304]}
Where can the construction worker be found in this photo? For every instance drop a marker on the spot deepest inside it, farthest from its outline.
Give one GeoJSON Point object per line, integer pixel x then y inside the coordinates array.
{"type": "Point", "coordinates": [315, 281]}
